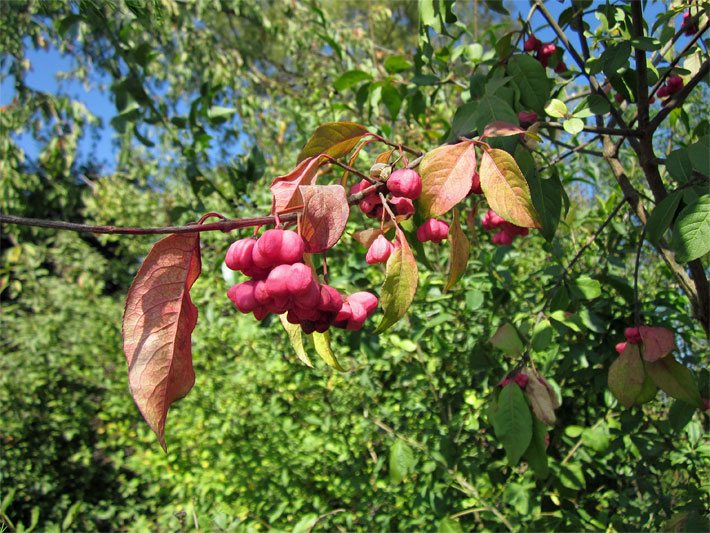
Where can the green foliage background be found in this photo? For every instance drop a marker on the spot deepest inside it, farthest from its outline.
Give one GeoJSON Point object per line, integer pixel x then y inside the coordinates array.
{"type": "Point", "coordinates": [402, 440]}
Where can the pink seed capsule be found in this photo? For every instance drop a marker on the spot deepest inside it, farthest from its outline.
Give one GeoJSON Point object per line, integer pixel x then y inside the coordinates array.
{"type": "Point", "coordinates": [527, 118]}
{"type": "Point", "coordinates": [620, 347]}
{"type": "Point", "coordinates": [239, 255]}
{"type": "Point", "coordinates": [405, 182]}
{"type": "Point", "coordinates": [300, 277]}
{"type": "Point", "coordinates": [292, 248]}
{"type": "Point", "coordinates": [433, 230]}
{"type": "Point", "coordinates": [359, 187]}
{"type": "Point", "coordinates": [532, 44]}
{"type": "Point", "coordinates": [366, 299]}
{"type": "Point", "coordinates": [491, 220]}
{"type": "Point", "coordinates": [633, 335]}
{"type": "Point", "coordinates": [277, 281]}
{"type": "Point", "coordinates": [475, 184]}
{"type": "Point", "coordinates": [330, 299]}
{"type": "Point", "coordinates": [502, 238]}
{"type": "Point", "coordinates": [379, 251]}
{"type": "Point", "coordinates": [242, 295]}
{"type": "Point", "coordinates": [401, 206]}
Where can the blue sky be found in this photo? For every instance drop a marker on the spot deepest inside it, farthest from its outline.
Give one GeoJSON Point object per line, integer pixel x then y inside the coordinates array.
{"type": "Point", "coordinates": [98, 145]}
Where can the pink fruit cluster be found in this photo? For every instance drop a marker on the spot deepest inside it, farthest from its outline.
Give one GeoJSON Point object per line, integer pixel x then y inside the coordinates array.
{"type": "Point", "coordinates": [633, 336]}
{"type": "Point", "coordinates": [281, 283]}
{"type": "Point", "coordinates": [505, 232]}
{"type": "Point", "coordinates": [543, 52]}
{"type": "Point", "coordinates": [690, 24]}
{"type": "Point", "coordinates": [404, 186]}
{"type": "Point", "coordinates": [672, 85]}
{"type": "Point", "coordinates": [527, 118]}
{"type": "Point", "coordinates": [519, 379]}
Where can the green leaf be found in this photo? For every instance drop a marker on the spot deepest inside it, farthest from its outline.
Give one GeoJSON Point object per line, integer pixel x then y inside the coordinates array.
{"type": "Point", "coordinates": [571, 476]}
{"type": "Point", "coordinates": [556, 108]}
{"type": "Point", "coordinates": [626, 376]}
{"type": "Point", "coordinates": [589, 288]}
{"type": "Point", "coordinates": [506, 338]}
{"type": "Point", "coordinates": [392, 100]}
{"type": "Point", "coordinates": [573, 125]}
{"type": "Point", "coordinates": [335, 139]}
{"type": "Point", "coordinates": [616, 57]}
{"type": "Point", "coordinates": [219, 113]}
{"type": "Point", "coordinates": [691, 235]}
{"type": "Point", "coordinates": [394, 64]}
{"type": "Point", "coordinates": [321, 342]}
{"type": "Point", "coordinates": [546, 196]}
{"type": "Point", "coordinates": [530, 77]}
{"type": "Point", "coordinates": [679, 166]}
{"type": "Point", "coordinates": [518, 497]}
{"type": "Point", "coordinates": [350, 79]}
{"type": "Point", "coordinates": [295, 336]}
{"type": "Point", "coordinates": [675, 380]}
{"type": "Point", "coordinates": [459, 252]}
{"type": "Point", "coordinates": [402, 461]}
{"type": "Point", "coordinates": [541, 335]}
{"type": "Point", "coordinates": [698, 154]}
{"type": "Point", "coordinates": [536, 454]}
{"type": "Point", "coordinates": [449, 525]}
{"type": "Point", "coordinates": [506, 190]}
{"type": "Point", "coordinates": [401, 277]}
{"type": "Point", "coordinates": [662, 215]}
{"type": "Point", "coordinates": [476, 115]}
{"type": "Point", "coordinates": [512, 422]}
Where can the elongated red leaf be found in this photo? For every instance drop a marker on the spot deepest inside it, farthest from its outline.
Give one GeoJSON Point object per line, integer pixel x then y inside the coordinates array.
{"type": "Point", "coordinates": [284, 189]}
{"type": "Point", "coordinates": [506, 190]}
{"type": "Point", "coordinates": [335, 139]}
{"type": "Point", "coordinates": [500, 128]}
{"type": "Point", "coordinates": [325, 214]}
{"type": "Point", "coordinates": [446, 175]}
{"type": "Point", "coordinates": [460, 250]}
{"type": "Point", "coordinates": [157, 326]}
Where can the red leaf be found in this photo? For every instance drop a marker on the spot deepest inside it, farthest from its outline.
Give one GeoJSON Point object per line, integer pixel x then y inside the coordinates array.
{"type": "Point", "coordinates": [285, 188]}
{"type": "Point", "coordinates": [157, 326]}
{"type": "Point", "coordinates": [446, 177]}
{"type": "Point", "coordinates": [325, 214]}
{"type": "Point", "coordinates": [657, 342]}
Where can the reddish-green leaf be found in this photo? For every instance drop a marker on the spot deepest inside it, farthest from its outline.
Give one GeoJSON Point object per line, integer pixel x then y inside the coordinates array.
{"type": "Point", "coordinates": [500, 128]}
{"type": "Point", "coordinates": [460, 250]}
{"type": "Point", "coordinates": [335, 139]}
{"type": "Point", "coordinates": [657, 342]}
{"type": "Point", "coordinates": [626, 376]}
{"type": "Point", "coordinates": [512, 422]}
{"type": "Point", "coordinates": [401, 278]}
{"type": "Point", "coordinates": [446, 175]}
{"type": "Point", "coordinates": [157, 326]}
{"type": "Point", "coordinates": [285, 189]}
{"type": "Point", "coordinates": [325, 214]}
{"type": "Point", "coordinates": [675, 380]}
{"type": "Point", "coordinates": [506, 338]}
{"type": "Point", "coordinates": [506, 190]}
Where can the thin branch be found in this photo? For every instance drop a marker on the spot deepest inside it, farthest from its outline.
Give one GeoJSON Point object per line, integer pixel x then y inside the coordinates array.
{"type": "Point", "coordinates": [637, 265]}
{"type": "Point", "coordinates": [680, 97]}
{"type": "Point", "coordinates": [641, 70]}
{"type": "Point", "coordinates": [624, 132]}
{"type": "Point", "coordinates": [572, 151]}
{"type": "Point", "coordinates": [581, 148]}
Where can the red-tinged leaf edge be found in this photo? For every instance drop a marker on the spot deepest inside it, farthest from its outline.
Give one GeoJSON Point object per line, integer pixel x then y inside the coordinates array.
{"type": "Point", "coordinates": [446, 174]}
{"type": "Point", "coordinates": [657, 342]}
{"type": "Point", "coordinates": [158, 321]}
{"type": "Point", "coordinates": [500, 128]}
{"type": "Point", "coordinates": [285, 189]}
{"type": "Point", "coordinates": [325, 215]}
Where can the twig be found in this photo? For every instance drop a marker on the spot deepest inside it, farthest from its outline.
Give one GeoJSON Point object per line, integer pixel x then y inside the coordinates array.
{"type": "Point", "coordinates": [641, 72]}
{"type": "Point", "coordinates": [637, 306]}
{"type": "Point", "coordinates": [625, 132]}
{"type": "Point", "coordinates": [321, 517]}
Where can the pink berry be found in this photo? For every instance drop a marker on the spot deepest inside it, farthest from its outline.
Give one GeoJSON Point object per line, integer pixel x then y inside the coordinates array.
{"type": "Point", "coordinates": [369, 203]}
{"type": "Point", "coordinates": [433, 230]}
{"type": "Point", "coordinates": [401, 206]}
{"type": "Point", "coordinates": [261, 292]}
{"type": "Point", "coordinates": [620, 347]}
{"type": "Point", "coordinates": [545, 52]}
{"type": "Point", "coordinates": [502, 238]}
{"type": "Point", "coordinates": [277, 281]}
{"type": "Point", "coordinates": [300, 277]}
{"type": "Point", "coordinates": [491, 220]}
{"type": "Point", "coordinates": [359, 187]}
{"type": "Point", "coordinates": [476, 184]}
{"type": "Point", "coordinates": [330, 299]}
{"type": "Point", "coordinates": [278, 305]}
{"type": "Point", "coordinates": [561, 67]}
{"type": "Point", "coordinates": [633, 335]}
{"type": "Point", "coordinates": [260, 313]}
{"type": "Point", "coordinates": [366, 299]}
{"type": "Point", "coordinates": [405, 182]}
{"type": "Point", "coordinates": [242, 295]}
{"type": "Point", "coordinates": [308, 299]}
{"type": "Point", "coordinates": [527, 118]}
{"type": "Point", "coordinates": [690, 24]}
{"type": "Point", "coordinates": [267, 251]}
{"type": "Point", "coordinates": [532, 44]}
{"type": "Point", "coordinates": [521, 380]}
{"type": "Point", "coordinates": [239, 254]}
{"type": "Point", "coordinates": [292, 247]}
{"type": "Point", "coordinates": [674, 84]}
{"type": "Point", "coordinates": [379, 251]}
